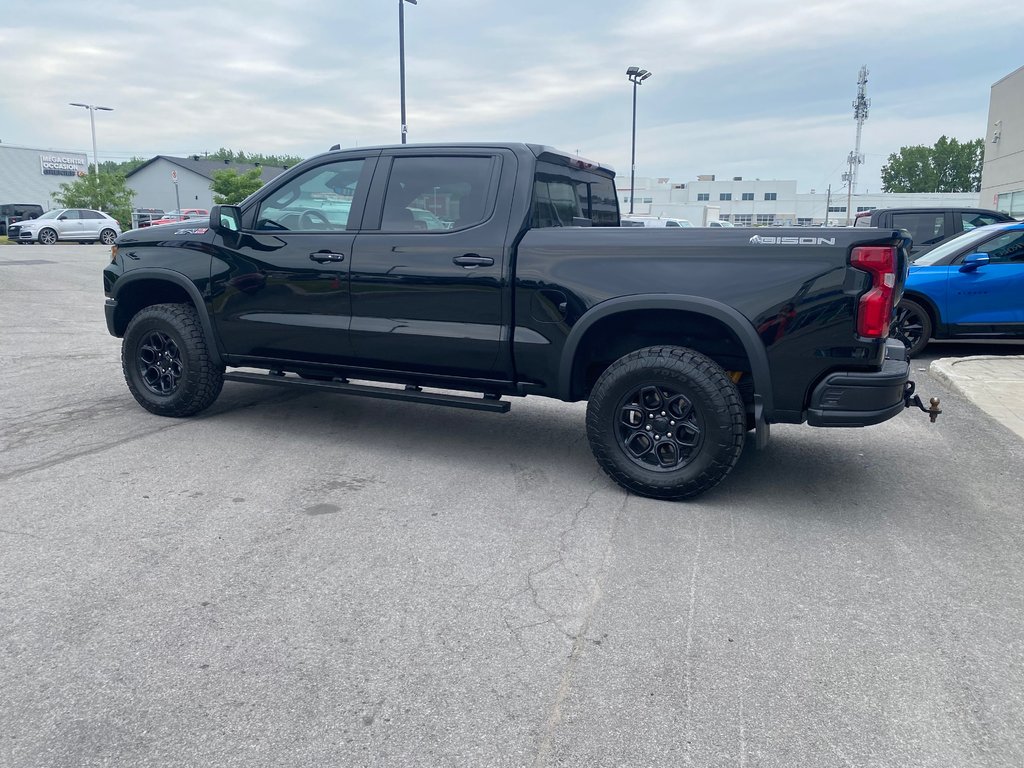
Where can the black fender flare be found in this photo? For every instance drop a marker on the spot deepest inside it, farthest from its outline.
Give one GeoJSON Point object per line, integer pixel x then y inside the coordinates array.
{"type": "Point", "coordinates": [728, 316]}
{"type": "Point", "coordinates": [180, 280]}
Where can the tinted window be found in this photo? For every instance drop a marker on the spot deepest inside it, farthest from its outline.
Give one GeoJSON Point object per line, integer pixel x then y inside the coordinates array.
{"type": "Point", "coordinates": [1004, 249]}
{"type": "Point", "coordinates": [437, 193]}
{"type": "Point", "coordinates": [71, 213]}
{"type": "Point", "coordinates": [561, 194]}
{"type": "Point", "coordinates": [972, 220]}
{"type": "Point", "coordinates": [318, 200]}
{"type": "Point", "coordinates": [90, 215]}
{"type": "Point", "coordinates": [924, 228]}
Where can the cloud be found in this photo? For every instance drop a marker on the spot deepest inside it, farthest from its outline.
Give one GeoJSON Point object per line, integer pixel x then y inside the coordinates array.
{"type": "Point", "coordinates": [740, 88]}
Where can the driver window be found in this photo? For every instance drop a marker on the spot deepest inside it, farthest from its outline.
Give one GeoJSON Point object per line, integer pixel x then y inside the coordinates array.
{"type": "Point", "coordinates": [318, 200]}
{"type": "Point", "coordinates": [1006, 249]}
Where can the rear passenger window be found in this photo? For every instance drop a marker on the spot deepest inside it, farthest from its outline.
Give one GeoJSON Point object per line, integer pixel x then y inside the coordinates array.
{"type": "Point", "coordinates": [561, 194]}
{"type": "Point", "coordinates": [925, 228]}
{"type": "Point", "coordinates": [438, 193]}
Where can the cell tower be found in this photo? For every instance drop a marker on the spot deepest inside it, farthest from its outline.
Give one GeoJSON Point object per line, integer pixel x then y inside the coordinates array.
{"type": "Point", "coordinates": [860, 114]}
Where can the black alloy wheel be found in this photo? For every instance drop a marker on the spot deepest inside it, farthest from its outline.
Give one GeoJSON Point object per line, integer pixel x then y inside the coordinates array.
{"type": "Point", "coordinates": [666, 422]}
{"type": "Point", "coordinates": [912, 325]}
{"type": "Point", "coordinates": [659, 429]}
{"type": "Point", "coordinates": [158, 363]}
{"type": "Point", "coordinates": [166, 361]}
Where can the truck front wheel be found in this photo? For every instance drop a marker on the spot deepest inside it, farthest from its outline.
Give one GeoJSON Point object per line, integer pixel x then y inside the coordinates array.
{"type": "Point", "coordinates": [666, 422]}
{"type": "Point", "coordinates": [166, 361]}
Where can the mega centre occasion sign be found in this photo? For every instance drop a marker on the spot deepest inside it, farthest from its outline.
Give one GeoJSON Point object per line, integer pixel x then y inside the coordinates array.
{"type": "Point", "coordinates": [62, 165]}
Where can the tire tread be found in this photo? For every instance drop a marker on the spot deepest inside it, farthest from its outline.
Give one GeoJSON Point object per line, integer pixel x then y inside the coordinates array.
{"type": "Point", "coordinates": [705, 374]}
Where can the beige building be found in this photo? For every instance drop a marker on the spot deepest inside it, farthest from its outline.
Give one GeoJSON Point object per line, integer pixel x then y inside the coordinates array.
{"type": "Point", "coordinates": [1002, 176]}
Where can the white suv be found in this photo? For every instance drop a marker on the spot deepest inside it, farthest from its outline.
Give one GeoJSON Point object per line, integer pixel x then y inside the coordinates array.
{"type": "Point", "coordinates": [66, 224]}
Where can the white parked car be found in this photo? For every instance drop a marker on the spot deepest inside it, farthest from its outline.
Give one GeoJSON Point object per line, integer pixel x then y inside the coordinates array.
{"type": "Point", "coordinates": [653, 221]}
{"type": "Point", "coordinates": [81, 224]}
{"type": "Point", "coordinates": [720, 223]}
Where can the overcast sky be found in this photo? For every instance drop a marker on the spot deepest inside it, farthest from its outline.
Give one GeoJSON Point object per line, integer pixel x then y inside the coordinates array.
{"type": "Point", "coordinates": [740, 88]}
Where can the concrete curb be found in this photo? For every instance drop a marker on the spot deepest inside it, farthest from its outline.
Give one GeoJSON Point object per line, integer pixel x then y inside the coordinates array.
{"type": "Point", "coordinates": [993, 383]}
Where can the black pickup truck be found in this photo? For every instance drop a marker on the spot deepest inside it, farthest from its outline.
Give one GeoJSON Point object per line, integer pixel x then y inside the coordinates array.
{"type": "Point", "coordinates": [501, 270]}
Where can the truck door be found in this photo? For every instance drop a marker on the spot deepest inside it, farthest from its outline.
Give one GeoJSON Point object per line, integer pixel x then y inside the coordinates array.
{"type": "Point", "coordinates": [281, 287]}
{"type": "Point", "coordinates": [429, 265]}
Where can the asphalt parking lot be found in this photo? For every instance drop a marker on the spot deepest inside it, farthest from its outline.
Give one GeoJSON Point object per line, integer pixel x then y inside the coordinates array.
{"type": "Point", "coordinates": [306, 579]}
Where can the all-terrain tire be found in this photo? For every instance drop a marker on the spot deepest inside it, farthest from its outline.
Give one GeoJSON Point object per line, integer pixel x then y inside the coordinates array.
{"type": "Point", "coordinates": [166, 361]}
{"type": "Point", "coordinates": [666, 422]}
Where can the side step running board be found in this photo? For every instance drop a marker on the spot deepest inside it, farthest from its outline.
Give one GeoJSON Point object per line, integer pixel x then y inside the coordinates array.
{"type": "Point", "coordinates": [412, 395]}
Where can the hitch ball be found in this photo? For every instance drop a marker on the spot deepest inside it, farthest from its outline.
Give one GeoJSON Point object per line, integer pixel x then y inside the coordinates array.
{"type": "Point", "coordinates": [933, 409]}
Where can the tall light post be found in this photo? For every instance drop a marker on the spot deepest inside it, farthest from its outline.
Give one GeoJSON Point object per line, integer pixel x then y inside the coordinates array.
{"type": "Point", "coordinates": [401, 56]}
{"type": "Point", "coordinates": [92, 121]}
{"type": "Point", "coordinates": [636, 77]}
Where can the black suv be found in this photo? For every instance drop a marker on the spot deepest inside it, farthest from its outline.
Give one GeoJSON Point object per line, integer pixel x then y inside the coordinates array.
{"type": "Point", "coordinates": [12, 212]}
{"type": "Point", "coordinates": [929, 226]}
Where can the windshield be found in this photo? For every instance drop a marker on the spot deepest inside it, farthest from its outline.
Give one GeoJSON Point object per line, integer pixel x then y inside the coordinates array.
{"type": "Point", "coordinates": [52, 214]}
{"type": "Point", "coordinates": [939, 252]}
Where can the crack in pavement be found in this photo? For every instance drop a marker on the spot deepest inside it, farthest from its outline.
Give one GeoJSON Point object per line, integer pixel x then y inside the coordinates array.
{"type": "Point", "coordinates": [579, 644]}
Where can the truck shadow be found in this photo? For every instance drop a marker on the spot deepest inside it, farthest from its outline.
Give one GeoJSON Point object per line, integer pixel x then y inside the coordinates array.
{"type": "Point", "coordinates": [801, 465]}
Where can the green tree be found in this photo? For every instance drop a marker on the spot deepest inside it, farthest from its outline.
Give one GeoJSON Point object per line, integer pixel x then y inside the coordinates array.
{"type": "Point", "coordinates": [230, 187]}
{"type": "Point", "coordinates": [253, 157]}
{"type": "Point", "coordinates": [102, 191]}
{"type": "Point", "coordinates": [949, 166]}
{"type": "Point", "coordinates": [124, 167]}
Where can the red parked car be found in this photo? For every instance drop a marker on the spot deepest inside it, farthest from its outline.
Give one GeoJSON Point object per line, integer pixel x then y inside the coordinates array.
{"type": "Point", "coordinates": [185, 213]}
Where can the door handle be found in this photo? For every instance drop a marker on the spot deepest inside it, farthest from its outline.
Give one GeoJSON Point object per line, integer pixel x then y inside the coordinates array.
{"type": "Point", "coordinates": [471, 260]}
{"type": "Point", "coordinates": [321, 256]}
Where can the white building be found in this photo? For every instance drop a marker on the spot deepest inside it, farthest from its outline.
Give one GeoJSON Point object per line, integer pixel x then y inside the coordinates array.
{"type": "Point", "coordinates": [169, 183]}
{"type": "Point", "coordinates": [753, 202]}
{"type": "Point", "coordinates": [33, 176]}
{"type": "Point", "coordinates": [1002, 176]}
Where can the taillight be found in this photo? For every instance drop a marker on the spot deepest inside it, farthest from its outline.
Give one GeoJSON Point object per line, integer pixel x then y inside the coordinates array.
{"type": "Point", "coordinates": [875, 309]}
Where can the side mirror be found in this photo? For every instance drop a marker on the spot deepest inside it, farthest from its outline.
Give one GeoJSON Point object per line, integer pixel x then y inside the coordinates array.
{"type": "Point", "coordinates": [225, 218]}
{"type": "Point", "coordinates": [973, 261]}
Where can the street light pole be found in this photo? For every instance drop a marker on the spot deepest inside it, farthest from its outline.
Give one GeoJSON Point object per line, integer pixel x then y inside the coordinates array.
{"type": "Point", "coordinates": [92, 122]}
{"type": "Point", "coordinates": [401, 57]}
{"type": "Point", "coordinates": [636, 77]}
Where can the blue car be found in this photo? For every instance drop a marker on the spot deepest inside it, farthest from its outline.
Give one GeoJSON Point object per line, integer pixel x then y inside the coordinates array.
{"type": "Point", "coordinates": [971, 286]}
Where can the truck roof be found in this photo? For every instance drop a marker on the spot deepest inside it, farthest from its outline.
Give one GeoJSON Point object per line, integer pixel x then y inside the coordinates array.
{"type": "Point", "coordinates": [540, 151]}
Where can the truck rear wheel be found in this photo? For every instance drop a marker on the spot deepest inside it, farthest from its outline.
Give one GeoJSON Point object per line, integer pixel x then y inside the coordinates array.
{"type": "Point", "coordinates": [166, 361]}
{"type": "Point", "coordinates": [666, 422]}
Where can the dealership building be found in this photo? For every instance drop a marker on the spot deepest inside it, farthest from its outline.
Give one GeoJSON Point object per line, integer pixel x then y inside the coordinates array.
{"type": "Point", "coordinates": [1002, 176]}
{"type": "Point", "coordinates": [33, 176]}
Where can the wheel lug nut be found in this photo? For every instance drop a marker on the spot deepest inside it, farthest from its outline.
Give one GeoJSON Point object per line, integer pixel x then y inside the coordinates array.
{"type": "Point", "coordinates": [648, 427]}
{"type": "Point", "coordinates": [669, 435]}
{"type": "Point", "coordinates": [657, 437]}
{"type": "Point", "coordinates": [672, 423]}
{"type": "Point", "coordinates": [662, 413]}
